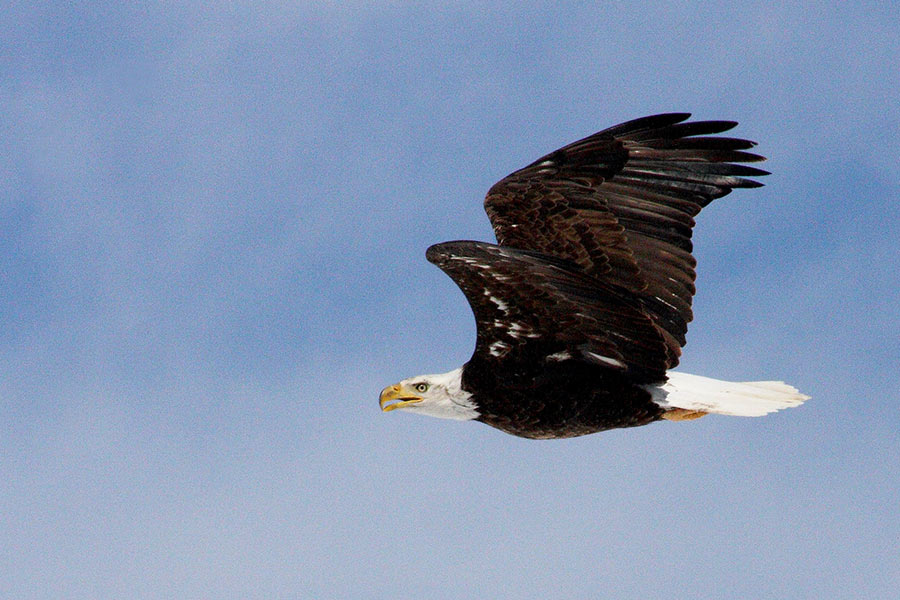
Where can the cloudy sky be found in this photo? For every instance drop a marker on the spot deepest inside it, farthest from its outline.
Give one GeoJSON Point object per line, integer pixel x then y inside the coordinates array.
{"type": "Point", "coordinates": [212, 237]}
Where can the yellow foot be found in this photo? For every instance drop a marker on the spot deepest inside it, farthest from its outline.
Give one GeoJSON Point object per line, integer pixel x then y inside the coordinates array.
{"type": "Point", "coordinates": [682, 414]}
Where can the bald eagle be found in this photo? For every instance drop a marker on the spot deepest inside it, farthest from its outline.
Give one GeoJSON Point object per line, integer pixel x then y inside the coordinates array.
{"type": "Point", "coordinates": [583, 304]}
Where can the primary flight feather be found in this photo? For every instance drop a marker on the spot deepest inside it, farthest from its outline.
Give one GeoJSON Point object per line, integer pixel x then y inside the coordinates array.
{"type": "Point", "coordinates": [583, 304]}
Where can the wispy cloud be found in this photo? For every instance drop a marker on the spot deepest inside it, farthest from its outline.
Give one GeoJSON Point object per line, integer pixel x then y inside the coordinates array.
{"type": "Point", "coordinates": [212, 258]}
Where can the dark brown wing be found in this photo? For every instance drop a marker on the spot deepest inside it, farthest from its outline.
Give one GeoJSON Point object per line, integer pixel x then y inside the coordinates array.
{"type": "Point", "coordinates": [621, 205]}
{"type": "Point", "coordinates": [530, 307]}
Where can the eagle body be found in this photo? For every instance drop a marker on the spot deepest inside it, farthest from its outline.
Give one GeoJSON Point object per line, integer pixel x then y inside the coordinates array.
{"type": "Point", "coordinates": [567, 399]}
{"type": "Point", "coordinates": [583, 304]}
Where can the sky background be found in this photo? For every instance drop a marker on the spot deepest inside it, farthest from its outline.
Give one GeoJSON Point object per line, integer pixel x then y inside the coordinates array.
{"type": "Point", "coordinates": [213, 219]}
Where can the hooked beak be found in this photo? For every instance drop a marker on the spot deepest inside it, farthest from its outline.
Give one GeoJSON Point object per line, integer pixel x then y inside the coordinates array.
{"type": "Point", "coordinates": [396, 392]}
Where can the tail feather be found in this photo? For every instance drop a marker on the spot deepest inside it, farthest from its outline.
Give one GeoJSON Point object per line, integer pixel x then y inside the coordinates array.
{"type": "Point", "coordinates": [743, 399]}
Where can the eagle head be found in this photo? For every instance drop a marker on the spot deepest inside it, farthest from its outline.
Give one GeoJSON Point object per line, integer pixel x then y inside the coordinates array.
{"type": "Point", "coordinates": [439, 396]}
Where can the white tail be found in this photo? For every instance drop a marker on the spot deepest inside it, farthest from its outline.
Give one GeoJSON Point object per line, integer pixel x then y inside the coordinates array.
{"type": "Point", "coordinates": [746, 399]}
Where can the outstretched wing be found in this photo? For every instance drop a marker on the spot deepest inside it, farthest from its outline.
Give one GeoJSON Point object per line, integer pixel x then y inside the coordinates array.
{"type": "Point", "coordinates": [531, 307]}
{"type": "Point", "coordinates": [621, 205]}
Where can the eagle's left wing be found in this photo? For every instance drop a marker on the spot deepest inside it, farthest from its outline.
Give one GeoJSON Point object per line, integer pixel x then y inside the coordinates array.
{"type": "Point", "coordinates": [531, 307]}
{"type": "Point", "coordinates": [621, 204]}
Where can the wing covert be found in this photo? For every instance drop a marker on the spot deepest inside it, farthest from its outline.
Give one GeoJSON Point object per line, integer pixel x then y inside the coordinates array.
{"type": "Point", "coordinates": [530, 306]}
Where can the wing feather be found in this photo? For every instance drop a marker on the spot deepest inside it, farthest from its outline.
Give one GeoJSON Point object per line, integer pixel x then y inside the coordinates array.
{"type": "Point", "coordinates": [529, 306]}
{"type": "Point", "coordinates": [620, 205]}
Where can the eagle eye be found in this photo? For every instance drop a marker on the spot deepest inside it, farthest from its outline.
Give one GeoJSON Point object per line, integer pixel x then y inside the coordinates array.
{"type": "Point", "coordinates": [421, 387]}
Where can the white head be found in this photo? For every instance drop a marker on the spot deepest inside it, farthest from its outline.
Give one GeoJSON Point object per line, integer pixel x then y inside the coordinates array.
{"type": "Point", "coordinates": [439, 396]}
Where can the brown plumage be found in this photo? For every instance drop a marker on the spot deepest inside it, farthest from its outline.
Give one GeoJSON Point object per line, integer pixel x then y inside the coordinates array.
{"type": "Point", "coordinates": [583, 304]}
{"type": "Point", "coordinates": [621, 205]}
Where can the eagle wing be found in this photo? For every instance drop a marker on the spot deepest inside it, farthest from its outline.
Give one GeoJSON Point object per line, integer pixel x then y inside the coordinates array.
{"type": "Point", "coordinates": [620, 204]}
{"type": "Point", "coordinates": [530, 307]}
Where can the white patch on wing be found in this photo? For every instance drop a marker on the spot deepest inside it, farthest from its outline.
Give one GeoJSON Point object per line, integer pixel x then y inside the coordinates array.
{"type": "Point", "coordinates": [518, 330]}
{"type": "Point", "coordinates": [545, 166]}
{"type": "Point", "coordinates": [503, 306]}
{"type": "Point", "coordinates": [606, 360]}
{"type": "Point", "coordinates": [471, 261]}
{"type": "Point", "coordinates": [499, 348]}
{"type": "Point", "coordinates": [669, 304]}
{"type": "Point", "coordinates": [564, 355]}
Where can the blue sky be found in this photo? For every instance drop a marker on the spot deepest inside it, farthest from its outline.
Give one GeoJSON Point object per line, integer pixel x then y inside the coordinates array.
{"type": "Point", "coordinates": [214, 218]}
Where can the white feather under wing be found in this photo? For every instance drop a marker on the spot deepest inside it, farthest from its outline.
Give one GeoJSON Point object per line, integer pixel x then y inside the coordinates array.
{"type": "Point", "coordinates": [742, 399]}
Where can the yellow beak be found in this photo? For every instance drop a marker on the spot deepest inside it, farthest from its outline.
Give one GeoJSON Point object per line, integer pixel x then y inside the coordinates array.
{"type": "Point", "coordinates": [396, 392]}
